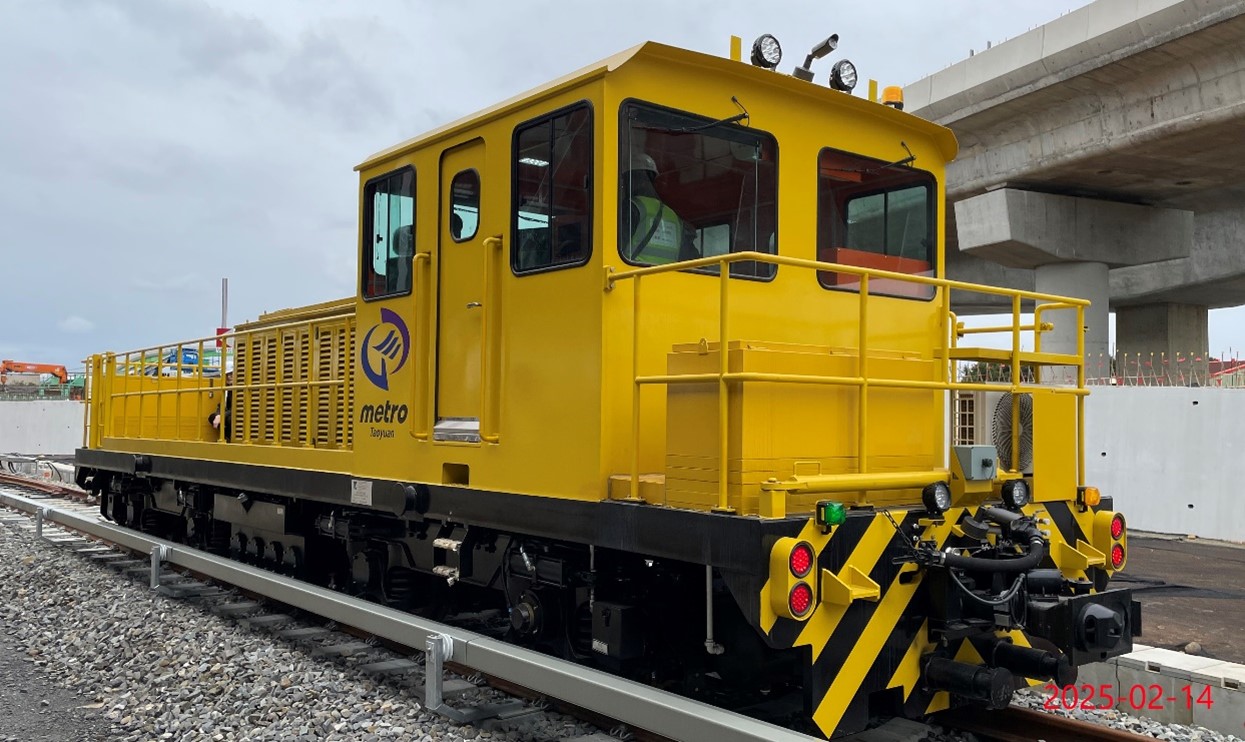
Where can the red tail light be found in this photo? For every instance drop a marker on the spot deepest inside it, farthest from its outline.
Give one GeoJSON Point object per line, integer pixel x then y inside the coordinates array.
{"type": "Point", "coordinates": [1117, 526]}
{"type": "Point", "coordinates": [1117, 556]}
{"type": "Point", "coordinates": [801, 560]}
{"type": "Point", "coordinates": [801, 599]}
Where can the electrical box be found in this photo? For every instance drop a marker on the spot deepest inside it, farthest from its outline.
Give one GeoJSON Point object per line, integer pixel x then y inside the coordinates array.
{"type": "Point", "coordinates": [979, 463]}
{"type": "Point", "coordinates": [616, 630]}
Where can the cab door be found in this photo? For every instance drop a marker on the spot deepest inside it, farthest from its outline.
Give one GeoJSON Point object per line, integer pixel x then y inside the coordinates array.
{"type": "Point", "coordinates": [461, 300]}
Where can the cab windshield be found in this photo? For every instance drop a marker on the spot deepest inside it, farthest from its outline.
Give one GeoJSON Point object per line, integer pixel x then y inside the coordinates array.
{"type": "Point", "coordinates": [693, 188]}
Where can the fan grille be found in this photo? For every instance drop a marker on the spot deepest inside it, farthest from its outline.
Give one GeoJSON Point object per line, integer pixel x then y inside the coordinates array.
{"type": "Point", "coordinates": [1002, 430]}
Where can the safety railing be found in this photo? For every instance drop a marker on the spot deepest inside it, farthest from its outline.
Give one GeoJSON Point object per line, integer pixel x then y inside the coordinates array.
{"type": "Point", "coordinates": [191, 370]}
{"type": "Point", "coordinates": [947, 351]}
{"type": "Point", "coordinates": [1192, 368]}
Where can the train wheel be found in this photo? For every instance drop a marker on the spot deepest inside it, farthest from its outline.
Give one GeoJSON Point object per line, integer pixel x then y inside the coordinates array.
{"type": "Point", "coordinates": [400, 585]}
{"type": "Point", "coordinates": [131, 512]}
{"type": "Point", "coordinates": [219, 537]}
{"type": "Point", "coordinates": [149, 522]}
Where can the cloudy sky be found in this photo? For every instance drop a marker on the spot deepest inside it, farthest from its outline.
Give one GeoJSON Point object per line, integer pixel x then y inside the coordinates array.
{"type": "Point", "coordinates": [150, 147]}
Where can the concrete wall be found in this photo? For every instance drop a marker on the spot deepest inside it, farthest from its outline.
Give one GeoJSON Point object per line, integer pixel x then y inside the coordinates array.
{"type": "Point", "coordinates": [1171, 456]}
{"type": "Point", "coordinates": [40, 426]}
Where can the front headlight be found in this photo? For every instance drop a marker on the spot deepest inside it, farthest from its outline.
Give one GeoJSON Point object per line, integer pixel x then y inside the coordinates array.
{"type": "Point", "coordinates": [1015, 494]}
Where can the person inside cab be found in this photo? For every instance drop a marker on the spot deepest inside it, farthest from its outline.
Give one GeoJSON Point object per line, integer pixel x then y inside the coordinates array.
{"type": "Point", "coordinates": [657, 234]}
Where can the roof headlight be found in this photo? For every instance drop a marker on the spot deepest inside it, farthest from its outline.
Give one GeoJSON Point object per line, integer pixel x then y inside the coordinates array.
{"type": "Point", "coordinates": [843, 76]}
{"type": "Point", "coordinates": [766, 52]}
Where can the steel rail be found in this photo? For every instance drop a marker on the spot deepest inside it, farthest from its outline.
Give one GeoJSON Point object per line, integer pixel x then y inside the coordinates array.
{"type": "Point", "coordinates": [632, 703]}
{"type": "Point", "coordinates": [43, 485]}
{"type": "Point", "coordinates": [1025, 725]}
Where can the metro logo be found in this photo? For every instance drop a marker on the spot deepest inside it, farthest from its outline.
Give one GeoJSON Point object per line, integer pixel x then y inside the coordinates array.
{"type": "Point", "coordinates": [395, 345]}
{"type": "Point", "coordinates": [383, 413]}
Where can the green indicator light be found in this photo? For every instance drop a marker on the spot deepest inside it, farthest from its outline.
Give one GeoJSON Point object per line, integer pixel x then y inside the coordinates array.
{"type": "Point", "coordinates": [832, 513]}
{"type": "Point", "coordinates": [835, 514]}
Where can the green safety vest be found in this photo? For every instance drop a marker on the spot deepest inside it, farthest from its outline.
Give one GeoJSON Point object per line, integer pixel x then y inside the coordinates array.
{"type": "Point", "coordinates": [658, 238]}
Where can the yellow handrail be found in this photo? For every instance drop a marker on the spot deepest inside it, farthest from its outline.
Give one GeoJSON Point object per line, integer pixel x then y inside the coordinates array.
{"type": "Point", "coordinates": [724, 279]}
{"type": "Point", "coordinates": [420, 420]}
{"type": "Point", "coordinates": [862, 480]}
{"type": "Point", "coordinates": [489, 372]}
{"type": "Point", "coordinates": [613, 277]}
{"type": "Point", "coordinates": [122, 380]}
{"type": "Point", "coordinates": [961, 330]}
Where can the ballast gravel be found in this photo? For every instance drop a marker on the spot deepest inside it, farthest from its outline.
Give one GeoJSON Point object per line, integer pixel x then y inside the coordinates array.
{"type": "Point", "coordinates": [1033, 699]}
{"type": "Point", "coordinates": [1030, 699]}
{"type": "Point", "coordinates": [89, 655]}
{"type": "Point", "coordinates": [119, 662]}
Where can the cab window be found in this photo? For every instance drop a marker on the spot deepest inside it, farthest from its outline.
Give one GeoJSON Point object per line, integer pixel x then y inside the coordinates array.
{"type": "Point", "coordinates": [388, 234]}
{"type": "Point", "coordinates": [692, 187]}
{"type": "Point", "coordinates": [873, 214]}
{"type": "Point", "coordinates": [464, 205]}
{"type": "Point", "coordinates": [552, 171]}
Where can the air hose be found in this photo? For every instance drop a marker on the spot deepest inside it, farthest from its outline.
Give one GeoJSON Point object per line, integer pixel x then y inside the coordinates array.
{"type": "Point", "coordinates": [1019, 526]}
{"type": "Point", "coordinates": [1037, 550]}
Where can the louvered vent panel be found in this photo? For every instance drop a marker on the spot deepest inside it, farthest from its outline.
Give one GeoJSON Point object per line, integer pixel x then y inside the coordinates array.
{"type": "Point", "coordinates": [297, 385]}
{"type": "Point", "coordinates": [287, 363]}
{"type": "Point", "coordinates": [347, 390]}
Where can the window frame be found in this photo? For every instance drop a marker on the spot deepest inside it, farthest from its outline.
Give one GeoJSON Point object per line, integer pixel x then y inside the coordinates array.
{"type": "Point", "coordinates": [930, 183]}
{"type": "Point", "coordinates": [514, 186]}
{"type": "Point", "coordinates": [479, 204]}
{"type": "Point", "coordinates": [625, 157]}
{"type": "Point", "coordinates": [367, 245]}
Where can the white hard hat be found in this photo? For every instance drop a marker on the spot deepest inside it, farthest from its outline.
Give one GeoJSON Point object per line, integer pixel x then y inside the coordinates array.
{"type": "Point", "coordinates": [641, 161]}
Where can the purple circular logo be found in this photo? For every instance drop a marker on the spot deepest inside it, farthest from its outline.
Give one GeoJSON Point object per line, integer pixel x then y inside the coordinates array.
{"type": "Point", "coordinates": [388, 342]}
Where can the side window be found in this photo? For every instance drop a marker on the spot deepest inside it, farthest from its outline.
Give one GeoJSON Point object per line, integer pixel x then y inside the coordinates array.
{"type": "Point", "coordinates": [465, 205]}
{"type": "Point", "coordinates": [388, 234]}
{"type": "Point", "coordinates": [874, 215]}
{"type": "Point", "coordinates": [552, 213]}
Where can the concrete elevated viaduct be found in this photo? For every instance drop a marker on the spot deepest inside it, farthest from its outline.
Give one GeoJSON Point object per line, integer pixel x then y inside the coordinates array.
{"type": "Point", "coordinates": [1103, 155]}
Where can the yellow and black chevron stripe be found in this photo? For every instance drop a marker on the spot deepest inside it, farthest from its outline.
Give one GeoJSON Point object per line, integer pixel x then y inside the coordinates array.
{"type": "Point", "coordinates": [865, 653]}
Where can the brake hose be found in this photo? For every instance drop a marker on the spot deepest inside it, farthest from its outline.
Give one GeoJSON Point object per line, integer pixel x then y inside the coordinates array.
{"type": "Point", "coordinates": [1037, 550]}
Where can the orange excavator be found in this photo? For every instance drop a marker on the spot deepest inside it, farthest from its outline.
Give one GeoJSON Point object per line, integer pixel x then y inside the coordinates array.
{"type": "Point", "coordinates": [18, 367]}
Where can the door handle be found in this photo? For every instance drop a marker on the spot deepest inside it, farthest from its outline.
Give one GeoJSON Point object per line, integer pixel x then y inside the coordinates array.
{"type": "Point", "coordinates": [474, 305]}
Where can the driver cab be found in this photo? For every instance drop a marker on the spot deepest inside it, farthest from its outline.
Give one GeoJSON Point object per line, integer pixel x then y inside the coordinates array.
{"type": "Point", "coordinates": [693, 187]}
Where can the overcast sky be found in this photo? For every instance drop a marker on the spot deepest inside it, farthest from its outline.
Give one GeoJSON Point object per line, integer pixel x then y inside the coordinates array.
{"type": "Point", "coordinates": [150, 147]}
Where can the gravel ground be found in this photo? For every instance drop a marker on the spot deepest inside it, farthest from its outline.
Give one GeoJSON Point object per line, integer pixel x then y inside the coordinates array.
{"type": "Point", "coordinates": [32, 709]}
{"type": "Point", "coordinates": [88, 655]}
{"type": "Point", "coordinates": [151, 668]}
{"type": "Point", "coordinates": [1137, 724]}
{"type": "Point", "coordinates": [1032, 699]}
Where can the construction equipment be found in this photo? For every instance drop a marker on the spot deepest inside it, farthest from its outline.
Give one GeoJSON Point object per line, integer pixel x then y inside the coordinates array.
{"type": "Point", "coordinates": [19, 367]}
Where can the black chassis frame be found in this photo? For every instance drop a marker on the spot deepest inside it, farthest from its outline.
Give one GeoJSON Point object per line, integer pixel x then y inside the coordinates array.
{"type": "Point", "coordinates": [729, 543]}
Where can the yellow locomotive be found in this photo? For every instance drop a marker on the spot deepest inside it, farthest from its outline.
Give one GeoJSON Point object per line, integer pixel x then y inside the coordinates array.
{"type": "Point", "coordinates": [650, 367]}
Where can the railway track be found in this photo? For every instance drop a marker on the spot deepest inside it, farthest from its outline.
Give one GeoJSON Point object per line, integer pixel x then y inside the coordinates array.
{"type": "Point", "coordinates": [602, 699]}
{"type": "Point", "coordinates": [1025, 725]}
{"type": "Point", "coordinates": [653, 713]}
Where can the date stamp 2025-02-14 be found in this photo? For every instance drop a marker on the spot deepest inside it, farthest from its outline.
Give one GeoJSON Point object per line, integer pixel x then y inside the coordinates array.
{"type": "Point", "coordinates": [1138, 697]}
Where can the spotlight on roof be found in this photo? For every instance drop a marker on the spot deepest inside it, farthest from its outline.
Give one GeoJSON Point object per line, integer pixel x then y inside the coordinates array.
{"type": "Point", "coordinates": [843, 76]}
{"type": "Point", "coordinates": [766, 52]}
{"type": "Point", "coordinates": [805, 72]}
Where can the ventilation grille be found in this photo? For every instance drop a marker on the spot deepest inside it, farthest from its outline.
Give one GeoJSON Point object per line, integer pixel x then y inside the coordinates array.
{"type": "Point", "coordinates": [296, 384]}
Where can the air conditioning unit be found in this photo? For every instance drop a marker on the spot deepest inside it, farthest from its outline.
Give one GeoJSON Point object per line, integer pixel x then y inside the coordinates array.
{"type": "Point", "coordinates": [985, 418]}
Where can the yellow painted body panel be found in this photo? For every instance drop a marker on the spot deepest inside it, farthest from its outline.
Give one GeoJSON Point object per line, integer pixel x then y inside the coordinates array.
{"type": "Point", "coordinates": [462, 301]}
{"type": "Point", "coordinates": [544, 364]}
{"type": "Point", "coordinates": [779, 428]}
{"type": "Point", "coordinates": [1054, 449]}
{"type": "Point", "coordinates": [604, 380]}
